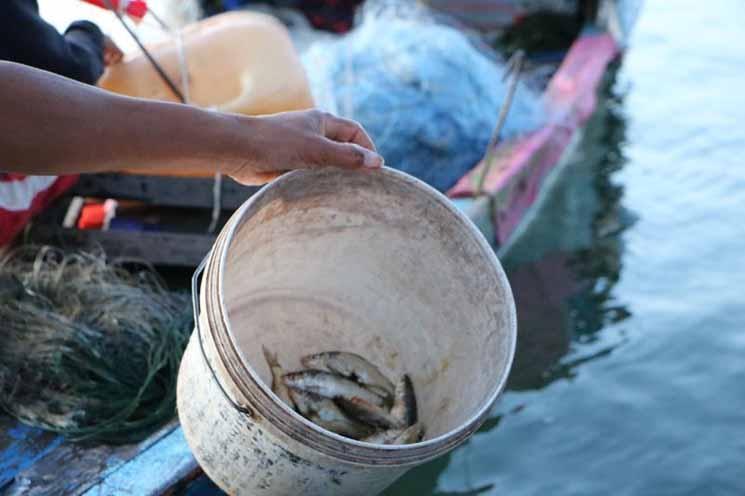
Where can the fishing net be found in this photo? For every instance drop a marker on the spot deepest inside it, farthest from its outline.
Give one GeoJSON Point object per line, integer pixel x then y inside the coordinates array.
{"type": "Point", "coordinates": [88, 348]}
{"type": "Point", "coordinates": [428, 92]}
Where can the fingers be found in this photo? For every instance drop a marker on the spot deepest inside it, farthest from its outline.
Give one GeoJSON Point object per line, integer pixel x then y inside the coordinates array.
{"type": "Point", "coordinates": [299, 140]}
{"type": "Point", "coordinates": [111, 58]}
{"type": "Point", "coordinates": [112, 54]}
{"type": "Point", "coordinates": [324, 153]}
{"type": "Point", "coordinates": [346, 155]}
{"type": "Point", "coordinates": [346, 131]}
{"type": "Point", "coordinates": [116, 57]}
{"type": "Point", "coordinates": [346, 144]}
{"type": "Point", "coordinates": [256, 178]}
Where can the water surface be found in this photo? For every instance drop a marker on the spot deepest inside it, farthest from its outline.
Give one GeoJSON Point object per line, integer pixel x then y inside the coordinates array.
{"type": "Point", "coordinates": [630, 372]}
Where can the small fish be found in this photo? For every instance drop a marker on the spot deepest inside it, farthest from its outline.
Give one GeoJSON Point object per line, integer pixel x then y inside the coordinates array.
{"type": "Point", "coordinates": [370, 414]}
{"type": "Point", "coordinates": [404, 402]}
{"type": "Point", "coordinates": [324, 413]}
{"type": "Point", "coordinates": [278, 386]}
{"type": "Point", "coordinates": [412, 434]}
{"type": "Point", "coordinates": [329, 385]}
{"type": "Point", "coordinates": [351, 366]}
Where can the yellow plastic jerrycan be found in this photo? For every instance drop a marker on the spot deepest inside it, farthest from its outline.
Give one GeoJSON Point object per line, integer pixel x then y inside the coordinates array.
{"type": "Point", "coordinates": [242, 62]}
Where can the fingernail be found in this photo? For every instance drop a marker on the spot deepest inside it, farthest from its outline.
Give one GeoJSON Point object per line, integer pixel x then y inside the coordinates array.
{"type": "Point", "coordinates": [372, 160]}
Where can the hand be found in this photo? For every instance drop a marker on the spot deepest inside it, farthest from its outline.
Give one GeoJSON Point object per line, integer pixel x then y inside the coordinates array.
{"type": "Point", "coordinates": [300, 140]}
{"type": "Point", "coordinates": [112, 54]}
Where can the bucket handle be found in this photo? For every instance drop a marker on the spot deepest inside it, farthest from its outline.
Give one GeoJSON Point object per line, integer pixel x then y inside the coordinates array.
{"type": "Point", "coordinates": [195, 307]}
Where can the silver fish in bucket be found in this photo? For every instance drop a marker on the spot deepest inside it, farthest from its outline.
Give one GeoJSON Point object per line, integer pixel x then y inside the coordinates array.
{"type": "Point", "coordinates": [345, 393]}
{"type": "Point", "coordinates": [351, 366]}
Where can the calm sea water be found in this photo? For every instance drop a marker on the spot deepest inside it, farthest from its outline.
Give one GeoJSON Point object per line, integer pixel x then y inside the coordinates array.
{"type": "Point", "coordinates": [630, 372]}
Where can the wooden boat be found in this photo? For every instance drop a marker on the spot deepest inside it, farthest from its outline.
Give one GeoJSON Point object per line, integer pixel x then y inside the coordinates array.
{"type": "Point", "coordinates": [37, 462]}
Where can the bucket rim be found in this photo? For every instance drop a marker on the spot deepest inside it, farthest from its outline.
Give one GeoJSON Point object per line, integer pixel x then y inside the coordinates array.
{"type": "Point", "coordinates": [351, 450]}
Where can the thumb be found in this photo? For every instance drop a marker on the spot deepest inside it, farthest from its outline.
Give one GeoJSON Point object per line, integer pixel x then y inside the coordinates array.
{"type": "Point", "coordinates": [348, 156]}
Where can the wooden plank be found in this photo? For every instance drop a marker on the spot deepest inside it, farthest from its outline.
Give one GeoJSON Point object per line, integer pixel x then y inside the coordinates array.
{"type": "Point", "coordinates": [160, 469]}
{"type": "Point", "coordinates": [20, 447]}
{"type": "Point", "coordinates": [163, 191]}
{"type": "Point", "coordinates": [72, 468]}
{"type": "Point", "coordinates": [158, 248]}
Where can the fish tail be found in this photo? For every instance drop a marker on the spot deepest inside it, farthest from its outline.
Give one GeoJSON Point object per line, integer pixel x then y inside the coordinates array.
{"type": "Point", "coordinates": [271, 358]}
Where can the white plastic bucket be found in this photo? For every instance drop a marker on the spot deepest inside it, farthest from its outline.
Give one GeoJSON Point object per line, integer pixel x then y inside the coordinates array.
{"type": "Point", "coordinates": [376, 263]}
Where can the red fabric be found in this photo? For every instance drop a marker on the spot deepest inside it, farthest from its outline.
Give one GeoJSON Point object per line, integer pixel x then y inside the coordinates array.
{"type": "Point", "coordinates": [13, 221]}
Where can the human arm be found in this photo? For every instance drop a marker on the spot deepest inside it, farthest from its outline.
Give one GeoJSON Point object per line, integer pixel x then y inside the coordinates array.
{"type": "Point", "coordinates": [52, 125]}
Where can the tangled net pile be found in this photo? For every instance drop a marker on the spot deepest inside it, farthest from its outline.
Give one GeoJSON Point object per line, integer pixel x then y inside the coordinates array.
{"type": "Point", "coordinates": [89, 349]}
{"type": "Point", "coordinates": [428, 94]}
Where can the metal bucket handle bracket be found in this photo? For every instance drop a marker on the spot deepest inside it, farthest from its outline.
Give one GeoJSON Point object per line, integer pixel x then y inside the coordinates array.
{"type": "Point", "coordinates": [196, 308]}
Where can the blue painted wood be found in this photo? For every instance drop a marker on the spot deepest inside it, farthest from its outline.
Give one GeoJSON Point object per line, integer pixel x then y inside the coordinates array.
{"type": "Point", "coordinates": [65, 467]}
{"type": "Point", "coordinates": [154, 471]}
{"type": "Point", "coordinates": [20, 447]}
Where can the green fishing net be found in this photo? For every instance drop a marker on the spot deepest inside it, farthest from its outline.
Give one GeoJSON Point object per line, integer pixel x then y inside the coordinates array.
{"type": "Point", "coordinates": [88, 348]}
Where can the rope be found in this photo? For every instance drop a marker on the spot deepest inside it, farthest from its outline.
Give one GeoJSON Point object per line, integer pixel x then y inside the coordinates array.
{"type": "Point", "coordinates": [166, 79]}
{"type": "Point", "coordinates": [184, 69]}
{"type": "Point", "coordinates": [216, 202]}
{"type": "Point", "coordinates": [514, 66]}
{"type": "Point", "coordinates": [159, 20]}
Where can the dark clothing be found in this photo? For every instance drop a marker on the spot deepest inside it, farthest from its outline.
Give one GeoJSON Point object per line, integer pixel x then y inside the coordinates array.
{"type": "Point", "coordinates": [329, 15]}
{"type": "Point", "coordinates": [27, 39]}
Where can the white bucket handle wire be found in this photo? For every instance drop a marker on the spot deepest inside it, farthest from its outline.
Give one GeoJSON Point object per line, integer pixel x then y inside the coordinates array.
{"type": "Point", "coordinates": [196, 308]}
